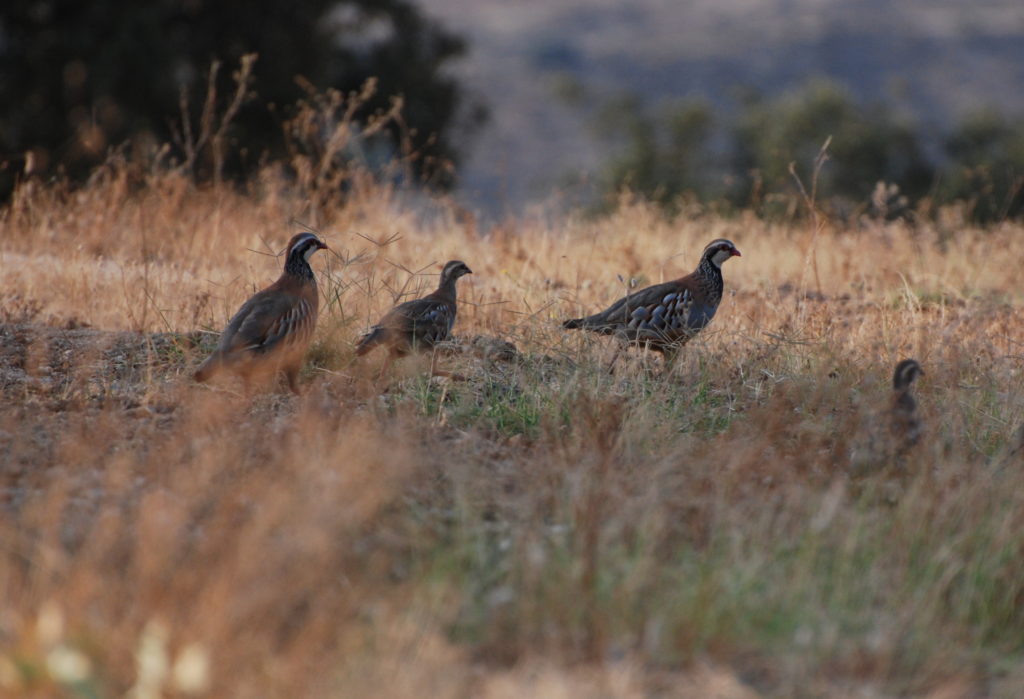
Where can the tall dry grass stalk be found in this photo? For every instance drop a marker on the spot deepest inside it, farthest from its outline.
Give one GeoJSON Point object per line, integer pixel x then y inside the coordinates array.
{"type": "Point", "coordinates": [540, 528]}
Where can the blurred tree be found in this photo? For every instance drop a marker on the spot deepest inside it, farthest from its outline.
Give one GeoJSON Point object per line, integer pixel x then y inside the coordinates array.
{"type": "Point", "coordinates": [686, 151]}
{"type": "Point", "coordinates": [77, 78]}
{"type": "Point", "coordinates": [663, 157]}
{"type": "Point", "coordinates": [986, 166]}
{"type": "Point", "coordinates": [868, 145]}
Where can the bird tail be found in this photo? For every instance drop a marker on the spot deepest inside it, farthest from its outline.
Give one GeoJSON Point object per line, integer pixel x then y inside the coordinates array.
{"type": "Point", "coordinates": [574, 323]}
{"type": "Point", "coordinates": [370, 340]}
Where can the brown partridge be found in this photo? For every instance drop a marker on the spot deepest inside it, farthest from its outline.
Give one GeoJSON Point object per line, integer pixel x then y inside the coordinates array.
{"type": "Point", "coordinates": [888, 435]}
{"type": "Point", "coordinates": [420, 324]}
{"type": "Point", "coordinates": [271, 332]}
{"type": "Point", "coordinates": [905, 424]}
{"type": "Point", "coordinates": [666, 316]}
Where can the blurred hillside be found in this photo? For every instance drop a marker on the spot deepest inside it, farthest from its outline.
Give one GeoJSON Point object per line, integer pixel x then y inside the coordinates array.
{"type": "Point", "coordinates": [932, 61]}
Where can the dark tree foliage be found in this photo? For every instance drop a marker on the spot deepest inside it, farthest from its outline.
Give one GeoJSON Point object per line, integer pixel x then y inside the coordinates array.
{"type": "Point", "coordinates": [665, 155]}
{"type": "Point", "coordinates": [987, 155]}
{"type": "Point", "coordinates": [876, 162]}
{"type": "Point", "coordinates": [867, 145]}
{"type": "Point", "coordinates": [78, 78]}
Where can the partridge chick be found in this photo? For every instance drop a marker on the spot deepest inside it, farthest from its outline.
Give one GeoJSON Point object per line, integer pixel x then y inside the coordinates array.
{"type": "Point", "coordinates": [666, 316]}
{"type": "Point", "coordinates": [271, 332]}
{"type": "Point", "coordinates": [421, 324]}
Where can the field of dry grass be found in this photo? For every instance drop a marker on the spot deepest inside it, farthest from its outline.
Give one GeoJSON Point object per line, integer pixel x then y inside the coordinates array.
{"type": "Point", "coordinates": [540, 528]}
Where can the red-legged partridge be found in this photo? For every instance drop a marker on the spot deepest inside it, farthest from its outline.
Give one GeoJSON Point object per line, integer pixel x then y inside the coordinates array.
{"type": "Point", "coordinates": [420, 324]}
{"type": "Point", "coordinates": [271, 332]}
{"type": "Point", "coordinates": [666, 316]}
{"type": "Point", "coordinates": [905, 424]}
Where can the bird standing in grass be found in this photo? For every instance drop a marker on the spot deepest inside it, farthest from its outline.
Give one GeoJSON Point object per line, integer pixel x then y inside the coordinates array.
{"type": "Point", "coordinates": [666, 316]}
{"type": "Point", "coordinates": [905, 424]}
{"type": "Point", "coordinates": [889, 435]}
{"type": "Point", "coordinates": [271, 332]}
{"type": "Point", "coordinates": [420, 324]}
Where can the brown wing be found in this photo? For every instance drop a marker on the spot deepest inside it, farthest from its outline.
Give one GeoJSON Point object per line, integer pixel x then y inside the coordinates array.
{"type": "Point", "coordinates": [663, 313]}
{"type": "Point", "coordinates": [428, 321]}
{"type": "Point", "coordinates": [269, 319]}
{"type": "Point", "coordinates": [418, 323]}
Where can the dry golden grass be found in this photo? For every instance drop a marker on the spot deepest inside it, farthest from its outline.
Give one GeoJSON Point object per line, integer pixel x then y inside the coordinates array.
{"type": "Point", "coordinates": [542, 528]}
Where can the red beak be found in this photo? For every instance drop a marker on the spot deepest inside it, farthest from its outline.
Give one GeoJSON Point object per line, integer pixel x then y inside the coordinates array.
{"type": "Point", "coordinates": [736, 253]}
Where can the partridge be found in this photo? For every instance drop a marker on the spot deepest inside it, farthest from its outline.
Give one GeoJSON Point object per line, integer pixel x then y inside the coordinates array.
{"type": "Point", "coordinates": [889, 434]}
{"type": "Point", "coordinates": [905, 424]}
{"type": "Point", "coordinates": [420, 324]}
{"type": "Point", "coordinates": [666, 316]}
{"type": "Point", "coordinates": [271, 332]}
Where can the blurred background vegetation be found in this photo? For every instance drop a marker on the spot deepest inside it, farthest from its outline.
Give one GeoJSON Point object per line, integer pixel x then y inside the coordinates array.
{"type": "Point", "coordinates": [80, 80]}
{"type": "Point", "coordinates": [877, 164]}
{"type": "Point", "coordinates": [222, 90]}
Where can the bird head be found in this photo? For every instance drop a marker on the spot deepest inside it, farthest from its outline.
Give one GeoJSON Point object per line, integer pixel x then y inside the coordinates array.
{"type": "Point", "coordinates": [304, 245]}
{"type": "Point", "coordinates": [720, 250]}
{"type": "Point", "coordinates": [906, 372]}
{"type": "Point", "coordinates": [453, 270]}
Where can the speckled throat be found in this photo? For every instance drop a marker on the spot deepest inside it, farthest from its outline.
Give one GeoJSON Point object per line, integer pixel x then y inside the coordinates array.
{"type": "Point", "coordinates": [297, 266]}
{"type": "Point", "coordinates": [711, 282]}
